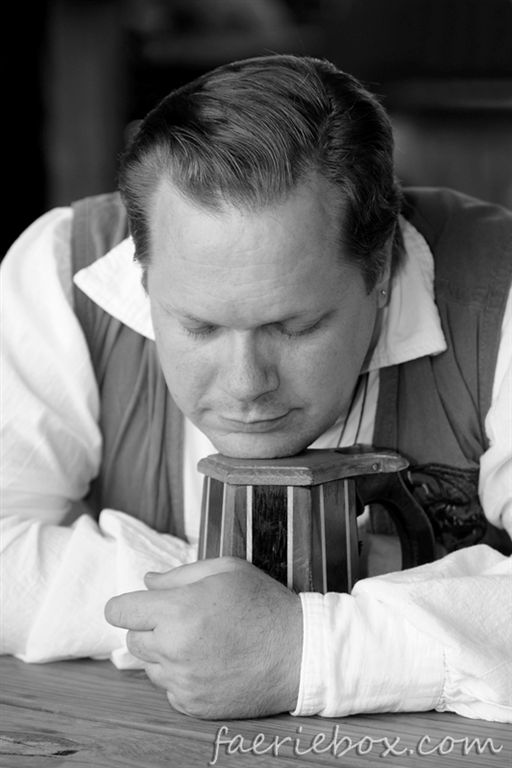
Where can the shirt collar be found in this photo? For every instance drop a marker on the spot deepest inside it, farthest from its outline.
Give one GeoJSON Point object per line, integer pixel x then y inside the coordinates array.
{"type": "Point", "coordinates": [114, 282]}
{"type": "Point", "coordinates": [411, 326]}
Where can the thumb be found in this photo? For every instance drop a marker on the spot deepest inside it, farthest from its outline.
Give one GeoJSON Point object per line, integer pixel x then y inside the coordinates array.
{"type": "Point", "coordinates": [190, 572]}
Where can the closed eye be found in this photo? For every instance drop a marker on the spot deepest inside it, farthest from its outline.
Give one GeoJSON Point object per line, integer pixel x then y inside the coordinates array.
{"type": "Point", "coordinates": [293, 334]}
{"type": "Point", "coordinates": [204, 331]}
{"type": "Point", "coordinates": [200, 332]}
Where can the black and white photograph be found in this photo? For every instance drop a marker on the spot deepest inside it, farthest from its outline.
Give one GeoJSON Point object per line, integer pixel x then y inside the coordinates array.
{"type": "Point", "coordinates": [256, 384]}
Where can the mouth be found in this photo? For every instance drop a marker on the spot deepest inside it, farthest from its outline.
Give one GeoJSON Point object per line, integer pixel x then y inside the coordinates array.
{"type": "Point", "coordinates": [253, 426]}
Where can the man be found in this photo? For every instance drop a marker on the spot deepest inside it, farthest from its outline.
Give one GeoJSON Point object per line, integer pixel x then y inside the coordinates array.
{"type": "Point", "coordinates": [289, 300]}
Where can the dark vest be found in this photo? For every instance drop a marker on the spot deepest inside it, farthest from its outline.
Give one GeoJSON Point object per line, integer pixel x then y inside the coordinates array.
{"type": "Point", "coordinates": [431, 410]}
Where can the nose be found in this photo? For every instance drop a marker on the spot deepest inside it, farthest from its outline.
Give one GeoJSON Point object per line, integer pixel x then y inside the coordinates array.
{"type": "Point", "coordinates": [248, 370]}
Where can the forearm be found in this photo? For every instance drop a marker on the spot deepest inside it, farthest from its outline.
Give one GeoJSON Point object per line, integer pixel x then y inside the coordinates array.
{"type": "Point", "coordinates": [56, 580]}
{"type": "Point", "coordinates": [434, 637]}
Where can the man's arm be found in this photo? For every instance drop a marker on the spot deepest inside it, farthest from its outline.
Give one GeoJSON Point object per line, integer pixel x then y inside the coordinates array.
{"type": "Point", "coordinates": [57, 576]}
{"type": "Point", "coordinates": [433, 637]}
{"type": "Point", "coordinates": [224, 640]}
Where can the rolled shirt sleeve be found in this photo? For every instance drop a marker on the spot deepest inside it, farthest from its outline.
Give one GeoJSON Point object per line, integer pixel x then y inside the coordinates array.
{"type": "Point", "coordinates": [433, 637]}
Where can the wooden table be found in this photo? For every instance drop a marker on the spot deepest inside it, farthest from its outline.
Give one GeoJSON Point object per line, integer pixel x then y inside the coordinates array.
{"type": "Point", "coordinates": [87, 713]}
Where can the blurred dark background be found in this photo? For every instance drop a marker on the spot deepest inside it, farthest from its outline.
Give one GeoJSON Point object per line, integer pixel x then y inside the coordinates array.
{"type": "Point", "coordinates": [83, 70]}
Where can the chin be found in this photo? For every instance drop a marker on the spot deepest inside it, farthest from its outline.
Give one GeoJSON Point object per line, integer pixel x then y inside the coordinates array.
{"type": "Point", "coordinates": [258, 446]}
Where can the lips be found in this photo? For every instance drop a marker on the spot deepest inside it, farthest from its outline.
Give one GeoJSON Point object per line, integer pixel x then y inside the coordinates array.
{"type": "Point", "coordinates": [266, 424]}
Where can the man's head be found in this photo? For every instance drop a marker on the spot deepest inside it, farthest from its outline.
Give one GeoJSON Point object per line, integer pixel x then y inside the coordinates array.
{"type": "Point", "coordinates": [263, 206]}
{"type": "Point", "coordinates": [249, 132]}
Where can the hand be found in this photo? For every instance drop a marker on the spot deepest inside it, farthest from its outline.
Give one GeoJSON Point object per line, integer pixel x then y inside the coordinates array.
{"type": "Point", "coordinates": [221, 636]}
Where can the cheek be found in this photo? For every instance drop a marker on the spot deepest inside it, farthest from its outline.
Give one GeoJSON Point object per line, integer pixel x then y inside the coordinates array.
{"type": "Point", "coordinates": [332, 363]}
{"type": "Point", "coordinates": [186, 373]}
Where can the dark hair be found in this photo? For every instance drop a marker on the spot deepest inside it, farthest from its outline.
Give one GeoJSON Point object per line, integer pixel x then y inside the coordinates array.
{"type": "Point", "coordinates": [248, 132]}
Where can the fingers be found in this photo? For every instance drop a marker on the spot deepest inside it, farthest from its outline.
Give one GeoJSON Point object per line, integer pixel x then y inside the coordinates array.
{"type": "Point", "coordinates": [187, 574]}
{"type": "Point", "coordinates": [158, 677]}
{"type": "Point", "coordinates": [143, 646]}
{"type": "Point", "coordinates": [174, 701]}
{"type": "Point", "coordinates": [143, 610]}
{"type": "Point", "coordinates": [134, 610]}
{"type": "Point", "coordinates": [154, 671]}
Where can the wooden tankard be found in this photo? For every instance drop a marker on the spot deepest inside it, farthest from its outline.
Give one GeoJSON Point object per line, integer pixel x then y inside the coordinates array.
{"type": "Point", "coordinates": [296, 518]}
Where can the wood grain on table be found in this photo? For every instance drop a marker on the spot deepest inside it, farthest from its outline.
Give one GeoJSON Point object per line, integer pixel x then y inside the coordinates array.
{"type": "Point", "coordinates": [87, 713]}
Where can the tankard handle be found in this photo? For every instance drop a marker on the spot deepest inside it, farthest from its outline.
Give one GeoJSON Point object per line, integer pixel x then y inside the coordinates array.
{"type": "Point", "coordinates": [413, 526]}
{"type": "Point", "coordinates": [380, 480]}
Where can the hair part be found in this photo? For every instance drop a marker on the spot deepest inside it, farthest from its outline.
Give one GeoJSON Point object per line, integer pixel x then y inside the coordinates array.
{"type": "Point", "coordinates": [249, 132]}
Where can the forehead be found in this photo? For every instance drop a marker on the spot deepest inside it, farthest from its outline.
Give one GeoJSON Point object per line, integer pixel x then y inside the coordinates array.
{"type": "Point", "coordinates": [179, 217]}
{"type": "Point", "coordinates": [246, 261]}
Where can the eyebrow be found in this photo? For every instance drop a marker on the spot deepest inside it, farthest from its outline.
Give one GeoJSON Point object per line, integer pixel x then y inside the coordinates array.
{"type": "Point", "coordinates": [172, 310]}
{"type": "Point", "coordinates": [184, 315]}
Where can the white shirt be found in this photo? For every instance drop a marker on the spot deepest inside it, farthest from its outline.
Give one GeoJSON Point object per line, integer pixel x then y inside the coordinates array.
{"type": "Point", "coordinates": [402, 641]}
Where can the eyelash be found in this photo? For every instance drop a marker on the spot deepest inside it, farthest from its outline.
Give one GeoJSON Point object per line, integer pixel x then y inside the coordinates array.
{"type": "Point", "coordinates": [201, 333]}
{"type": "Point", "coordinates": [303, 332]}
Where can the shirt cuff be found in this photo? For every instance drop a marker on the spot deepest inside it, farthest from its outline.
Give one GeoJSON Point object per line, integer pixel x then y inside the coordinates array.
{"type": "Point", "coordinates": [311, 699]}
{"type": "Point", "coordinates": [361, 656]}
